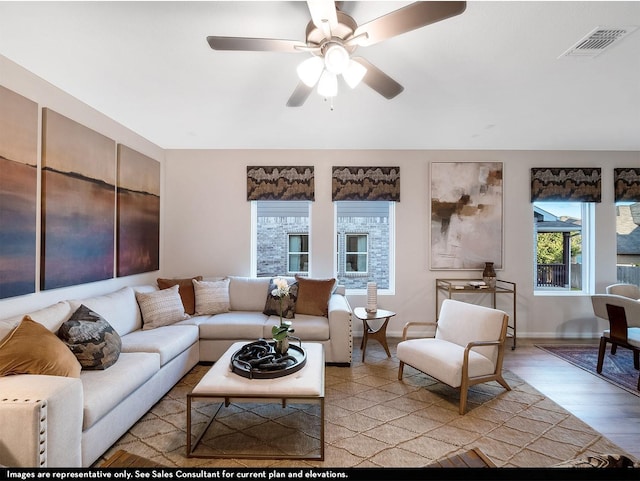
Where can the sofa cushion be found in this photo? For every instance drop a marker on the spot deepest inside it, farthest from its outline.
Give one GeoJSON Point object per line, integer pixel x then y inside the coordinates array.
{"type": "Point", "coordinates": [248, 293]}
{"type": "Point", "coordinates": [274, 304]}
{"type": "Point", "coordinates": [212, 297]}
{"type": "Point", "coordinates": [104, 390]}
{"type": "Point", "coordinates": [168, 341]}
{"type": "Point", "coordinates": [185, 289]}
{"type": "Point", "coordinates": [307, 328]}
{"type": "Point", "coordinates": [31, 348]}
{"type": "Point", "coordinates": [160, 308]}
{"type": "Point", "coordinates": [50, 317]}
{"type": "Point", "coordinates": [313, 296]}
{"type": "Point", "coordinates": [233, 325]}
{"type": "Point", "coordinates": [118, 308]}
{"type": "Point", "coordinates": [91, 338]}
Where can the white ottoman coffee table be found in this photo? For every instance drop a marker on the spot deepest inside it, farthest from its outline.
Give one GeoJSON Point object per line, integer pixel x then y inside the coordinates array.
{"type": "Point", "coordinates": [221, 385]}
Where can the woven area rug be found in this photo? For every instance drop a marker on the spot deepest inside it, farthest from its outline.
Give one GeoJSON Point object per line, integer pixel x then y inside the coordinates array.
{"type": "Point", "coordinates": [372, 420]}
{"type": "Point", "coordinates": [617, 369]}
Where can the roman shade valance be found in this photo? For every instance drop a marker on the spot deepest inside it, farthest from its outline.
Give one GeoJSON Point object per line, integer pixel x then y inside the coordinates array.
{"type": "Point", "coordinates": [566, 184]}
{"type": "Point", "coordinates": [626, 183]}
{"type": "Point", "coordinates": [280, 183]}
{"type": "Point", "coordinates": [366, 183]}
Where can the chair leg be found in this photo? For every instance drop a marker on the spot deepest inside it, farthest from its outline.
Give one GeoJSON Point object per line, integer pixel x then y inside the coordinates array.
{"type": "Point", "coordinates": [636, 359]}
{"type": "Point", "coordinates": [614, 348]}
{"type": "Point", "coordinates": [400, 369]}
{"type": "Point", "coordinates": [503, 383]}
{"type": "Point", "coordinates": [601, 350]}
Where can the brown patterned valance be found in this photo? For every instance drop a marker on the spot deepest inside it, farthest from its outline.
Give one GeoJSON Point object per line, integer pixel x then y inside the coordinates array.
{"type": "Point", "coordinates": [566, 184]}
{"type": "Point", "coordinates": [366, 183]}
{"type": "Point", "coordinates": [280, 183]}
{"type": "Point", "coordinates": [627, 184]}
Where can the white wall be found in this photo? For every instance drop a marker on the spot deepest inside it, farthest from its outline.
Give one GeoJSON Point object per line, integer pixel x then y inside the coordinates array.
{"type": "Point", "coordinates": [205, 220]}
{"type": "Point", "coordinates": [208, 225]}
{"type": "Point", "coordinates": [25, 83]}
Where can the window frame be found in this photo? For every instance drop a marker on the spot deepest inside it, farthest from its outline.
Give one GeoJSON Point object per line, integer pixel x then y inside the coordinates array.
{"type": "Point", "coordinates": [347, 252]}
{"type": "Point", "coordinates": [338, 258]}
{"type": "Point", "coordinates": [587, 213]}
{"type": "Point", "coordinates": [298, 253]}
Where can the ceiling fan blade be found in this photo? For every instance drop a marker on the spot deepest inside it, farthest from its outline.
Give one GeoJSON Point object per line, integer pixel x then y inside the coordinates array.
{"type": "Point", "coordinates": [411, 17]}
{"type": "Point", "coordinates": [323, 15]}
{"type": "Point", "coordinates": [378, 80]}
{"type": "Point", "coordinates": [299, 95]}
{"type": "Point", "coordinates": [255, 44]}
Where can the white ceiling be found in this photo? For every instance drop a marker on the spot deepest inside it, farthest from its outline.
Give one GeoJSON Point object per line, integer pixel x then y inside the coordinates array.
{"type": "Point", "coordinates": [490, 78]}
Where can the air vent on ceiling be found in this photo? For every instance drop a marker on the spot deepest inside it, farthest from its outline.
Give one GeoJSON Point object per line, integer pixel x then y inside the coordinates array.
{"type": "Point", "coordinates": [598, 40]}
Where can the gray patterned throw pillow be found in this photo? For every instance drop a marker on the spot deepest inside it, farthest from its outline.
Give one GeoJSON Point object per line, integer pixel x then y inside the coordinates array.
{"type": "Point", "coordinates": [91, 338]}
{"type": "Point", "coordinates": [272, 305]}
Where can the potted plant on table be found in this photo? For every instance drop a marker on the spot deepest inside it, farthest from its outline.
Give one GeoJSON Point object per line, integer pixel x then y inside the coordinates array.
{"type": "Point", "coordinates": [281, 332]}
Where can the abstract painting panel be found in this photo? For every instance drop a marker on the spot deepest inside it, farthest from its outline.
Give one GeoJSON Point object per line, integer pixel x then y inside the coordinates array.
{"type": "Point", "coordinates": [138, 213]}
{"type": "Point", "coordinates": [78, 203]}
{"type": "Point", "coordinates": [466, 215]}
{"type": "Point", "coordinates": [18, 193]}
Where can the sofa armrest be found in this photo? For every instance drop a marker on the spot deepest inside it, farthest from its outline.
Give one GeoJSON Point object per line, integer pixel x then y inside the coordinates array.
{"type": "Point", "coordinates": [340, 329]}
{"type": "Point", "coordinates": [41, 419]}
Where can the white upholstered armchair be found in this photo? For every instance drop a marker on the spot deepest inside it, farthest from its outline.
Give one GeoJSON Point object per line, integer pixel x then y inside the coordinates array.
{"type": "Point", "coordinates": [467, 349]}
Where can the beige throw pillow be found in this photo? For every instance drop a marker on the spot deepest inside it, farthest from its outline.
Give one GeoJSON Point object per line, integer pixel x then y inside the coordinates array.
{"type": "Point", "coordinates": [212, 297]}
{"type": "Point", "coordinates": [160, 308]}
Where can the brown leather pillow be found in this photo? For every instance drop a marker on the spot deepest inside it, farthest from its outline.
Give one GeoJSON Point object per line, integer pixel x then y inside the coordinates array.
{"type": "Point", "coordinates": [313, 296]}
{"type": "Point", "coordinates": [31, 348]}
{"type": "Point", "coordinates": [185, 289]}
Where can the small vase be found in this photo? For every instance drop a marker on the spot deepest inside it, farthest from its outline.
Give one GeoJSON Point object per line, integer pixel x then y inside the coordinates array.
{"type": "Point", "coordinates": [489, 275]}
{"type": "Point", "coordinates": [282, 346]}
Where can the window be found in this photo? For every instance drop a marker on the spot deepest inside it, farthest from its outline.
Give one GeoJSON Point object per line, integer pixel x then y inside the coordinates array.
{"type": "Point", "coordinates": [563, 255]}
{"type": "Point", "coordinates": [280, 237]}
{"type": "Point", "coordinates": [356, 253]}
{"type": "Point", "coordinates": [365, 236]}
{"type": "Point", "coordinates": [298, 253]}
{"type": "Point", "coordinates": [628, 242]}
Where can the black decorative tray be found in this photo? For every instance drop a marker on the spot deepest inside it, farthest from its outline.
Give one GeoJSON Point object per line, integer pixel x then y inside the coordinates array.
{"type": "Point", "coordinates": [259, 360]}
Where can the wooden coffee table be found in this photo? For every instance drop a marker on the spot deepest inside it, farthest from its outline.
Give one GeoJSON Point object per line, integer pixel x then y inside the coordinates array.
{"type": "Point", "coordinates": [124, 459]}
{"type": "Point", "coordinates": [221, 385]}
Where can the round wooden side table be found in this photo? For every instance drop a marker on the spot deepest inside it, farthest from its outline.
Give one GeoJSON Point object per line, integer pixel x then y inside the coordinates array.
{"type": "Point", "coordinates": [379, 334]}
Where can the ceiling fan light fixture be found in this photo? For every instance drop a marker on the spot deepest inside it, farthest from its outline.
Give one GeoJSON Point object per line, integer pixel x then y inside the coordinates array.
{"type": "Point", "coordinates": [310, 70]}
{"type": "Point", "coordinates": [328, 84]}
{"type": "Point", "coordinates": [354, 73]}
{"type": "Point", "coordinates": [336, 58]}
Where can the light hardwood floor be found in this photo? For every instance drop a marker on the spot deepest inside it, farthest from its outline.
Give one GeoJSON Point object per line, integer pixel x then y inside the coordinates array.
{"type": "Point", "coordinates": [608, 409]}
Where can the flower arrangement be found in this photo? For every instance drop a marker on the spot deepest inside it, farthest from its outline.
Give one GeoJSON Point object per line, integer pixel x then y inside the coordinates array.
{"type": "Point", "coordinates": [281, 291]}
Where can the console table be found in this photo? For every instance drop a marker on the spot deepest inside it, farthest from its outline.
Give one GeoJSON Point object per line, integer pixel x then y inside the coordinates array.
{"type": "Point", "coordinates": [452, 287]}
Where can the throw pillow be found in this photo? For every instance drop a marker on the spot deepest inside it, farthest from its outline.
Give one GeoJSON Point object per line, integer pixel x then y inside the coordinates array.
{"type": "Point", "coordinates": [272, 305]}
{"type": "Point", "coordinates": [185, 289]}
{"type": "Point", "coordinates": [91, 339]}
{"type": "Point", "coordinates": [212, 297]}
{"type": "Point", "coordinates": [31, 348]}
{"type": "Point", "coordinates": [160, 308]}
{"type": "Point", "coordinates": [313, 296]}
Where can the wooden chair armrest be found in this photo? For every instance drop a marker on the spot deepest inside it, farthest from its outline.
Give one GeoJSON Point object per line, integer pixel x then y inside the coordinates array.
{"type": "Point", "coordinates": [473, 344]}
{"type": "Point", "coordinates": [412, 324]}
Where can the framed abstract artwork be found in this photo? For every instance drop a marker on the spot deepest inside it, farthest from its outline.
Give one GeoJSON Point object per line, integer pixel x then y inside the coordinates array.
{"type": "Point", "coordinates": [78, 203]}
{"type": "Point", "coordinates": [18, 193]}
{"type": "Point", "coordinates": [138, 219]}
{"type": "Point", "coordinates": [466, 215]}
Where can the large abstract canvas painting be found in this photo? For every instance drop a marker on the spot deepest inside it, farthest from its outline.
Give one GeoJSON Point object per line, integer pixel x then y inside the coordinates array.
{"type": "Point", "coordinates": [138, 213]}
{"type": "Point", "coordinates": [18, 193]}
{"type": "Point", "coordinates": [78, 203]}
{"type": "Point", "coordinates": [466, 215]}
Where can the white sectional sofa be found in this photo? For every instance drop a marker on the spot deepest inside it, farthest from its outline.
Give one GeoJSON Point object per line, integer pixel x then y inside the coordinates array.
{"type": "Point", "coordinates": [58, 421]}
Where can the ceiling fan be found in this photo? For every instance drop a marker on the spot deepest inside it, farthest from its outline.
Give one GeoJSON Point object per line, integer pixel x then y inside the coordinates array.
{"type": "Point", "coordinates": [332, 37]}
